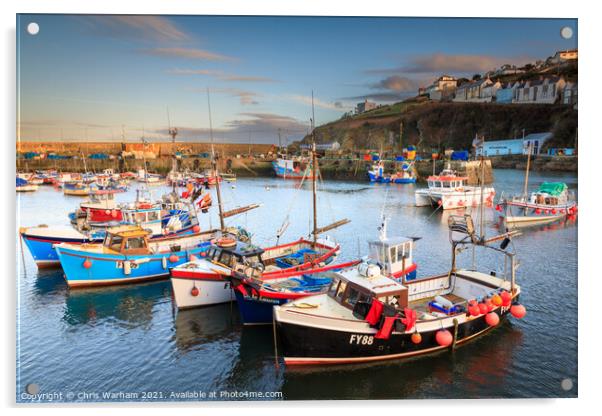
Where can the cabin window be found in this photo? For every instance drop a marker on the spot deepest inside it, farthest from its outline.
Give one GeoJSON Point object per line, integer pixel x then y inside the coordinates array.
{"type": "Point", "coordinates": [134, 243]}
{"type": "Point", "coordinates": [341, 290]}
{"type": "Point", "coordinates": [227, 259]}
{"type": "Point", "coordinates": [153, 215]}
{"type": "Point", "coordinates": [393, 253]}
{"type": "Point", "coordinates": [431, 184]}
{"type": "Point", "coordinates": [446, 184]}
{"type": "Point", "coordinates": [355, 296]}
{"type": "Point", "coordinates": [252, 259]}
{"type": "Point", "coordinates": [116, 243]}
{"type": "Point", "coordinates": [334, 286]}
{"type": "Point", "coordinates": [400, 253]}
{"type": "Point", "coordinates": [140, 216]}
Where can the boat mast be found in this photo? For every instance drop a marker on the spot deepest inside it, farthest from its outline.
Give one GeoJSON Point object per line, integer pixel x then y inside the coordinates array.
{"type": "Point", "coordinates": [214, 165]}
{"type": "Point", "coordinates": [314, 161]}
{"type": "Point", "coordinates": [527, 171]}
{"type": "Point", "coordinates": [174, 163]}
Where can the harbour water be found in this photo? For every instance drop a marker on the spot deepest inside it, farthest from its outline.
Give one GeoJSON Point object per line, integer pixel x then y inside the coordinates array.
{"type": "Point", "coordinates": [131, 342]}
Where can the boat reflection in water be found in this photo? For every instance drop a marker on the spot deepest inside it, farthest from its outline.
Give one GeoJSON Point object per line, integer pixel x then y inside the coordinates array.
{"type": "Point", "coordinates": [484, 361]}
{"type": "Point", "coordinates": [195, 328]}
{"type": "Point", "coordinates": [130, 306]}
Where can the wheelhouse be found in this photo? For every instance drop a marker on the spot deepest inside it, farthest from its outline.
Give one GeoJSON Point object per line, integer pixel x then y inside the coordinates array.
{"type": "Point", "coordinates": [142, 216]}
{"type": "Point", "coordinates": [392, 255]}
{"type": "Point", "coordinates": [242, 257]}
{"type": "Point", "coordinates": [127, 240]}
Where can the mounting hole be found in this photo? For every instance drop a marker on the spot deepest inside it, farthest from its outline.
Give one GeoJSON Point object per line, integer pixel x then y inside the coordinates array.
{"type": "Point", "coordinates": [566, 32]}
{"type": "Point", "coordinates": [566, 384]}
{"type": "Point", "coordinates": [33, 28]}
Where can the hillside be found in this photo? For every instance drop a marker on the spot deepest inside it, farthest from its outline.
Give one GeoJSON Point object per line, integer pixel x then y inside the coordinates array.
{"type": "Point", "coordinates": [435, 125]}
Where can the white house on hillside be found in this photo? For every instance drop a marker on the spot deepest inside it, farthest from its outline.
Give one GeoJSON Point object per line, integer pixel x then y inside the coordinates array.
{"type": "Point", "coordinates": [442, 87]}
{"type": "Point", "coordinates": [540, 91]}
{"type": "Point", "coordinates": [479, 91]}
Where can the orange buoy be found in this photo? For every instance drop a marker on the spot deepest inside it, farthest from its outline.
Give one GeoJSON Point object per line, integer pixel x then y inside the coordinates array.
{"type": "Point", "coordinates": [196, 228]}
{"type": "Point", "coordinates": [416, 338]}
{"type": "Point", "coordinates": [107, 211]}
{"type": "Point", "coordinates": [439, 202]}
{"type": "Point", "coordinates": [226, 242]}
{"type": "Point", "coordinates": [518, 311]}
{"type": "Point", "coordinates": [114, 213]}
{"type": "Point", "coordinates": [87, 264]}
{"type": "Point", "coordinates": [506, 298]}
{"type": "Point", "coordinates": [194, 291]}
{"type": "Point", "coordinates": [482, 308]}
{"type": "Point", "coordinates": [474, 310]}
{"type": "Point", "coordinates": [444, 337]}
{"type": "Point", "coordinates": [192, 257]}
{"type": "Point", "coordinates": [492, 319]}
{"type": "Point", "coordinates": [489, 304]}
{"type": "Point", "coordinates": [496, 300]}
{"type": "Point", "coordinates": [174, 258]}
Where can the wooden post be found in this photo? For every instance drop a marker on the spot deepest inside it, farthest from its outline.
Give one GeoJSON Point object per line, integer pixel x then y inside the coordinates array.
{"type": "Point", "coordinates": [453, 345]}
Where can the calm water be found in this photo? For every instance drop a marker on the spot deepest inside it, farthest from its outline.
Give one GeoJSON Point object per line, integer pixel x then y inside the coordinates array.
{"type": "Point", "coordinates": [84, 343]}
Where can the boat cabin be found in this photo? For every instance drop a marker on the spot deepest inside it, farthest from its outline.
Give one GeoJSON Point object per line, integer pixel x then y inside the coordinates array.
{"type": "Point", "coordinates": [550, 193]}
{"type": "Point", "coordinates": [127, 240]}
{"type": "Point", "coordinates": [392, 255]}
{"type": "Point", "coordinates": [356, 288]}
{"type": "Point", "coordinates": [240, 257]}
{"type": "Point", "coordinates": [144, 216]}
{"type": "Point", "coordinates": [102, 195]}
{"type": "Point", "coordinates": [447, 179]}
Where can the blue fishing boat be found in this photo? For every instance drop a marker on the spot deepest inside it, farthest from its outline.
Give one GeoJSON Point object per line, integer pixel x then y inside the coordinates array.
{"type": "Point", "coordinates": [127, 255]}
{"type": "Point", "coordinates": [404, 175]}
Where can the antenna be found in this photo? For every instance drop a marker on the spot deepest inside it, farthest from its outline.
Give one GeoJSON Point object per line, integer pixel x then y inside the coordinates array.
{"type": "Point", "coordinates": [174, 163]}
{"type": "Point", "coordinates": [214, 163]}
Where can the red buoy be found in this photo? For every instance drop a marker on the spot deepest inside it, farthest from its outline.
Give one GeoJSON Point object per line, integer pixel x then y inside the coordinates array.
{"type": "Point", "coordinates": [489, 304]}
{"type": "Point", "coordinates": [506, 298]}
{"type": "Point", "coordinates": [518, 311]}
{"type": "Point", "coordinates": [554, 211]}
{"type": "Point", "coordinates": [492, 319]}
{"type": "Point", "coordinates": [87, 264]}
{"type": "Point", "coordinates": [194, 291]}
{"type": "Point", "coordinates": [416, 338]}
{"type": "Point", "coordinates": [192, 257]}
{"type": "Point", "coordinates": [439, 202]}
{"type": "Point", "coordinates": [444, 337]}
{"type": "Point", "coordinates": [537, 211]}
{"type": "Point", "coordinates": [173, 258]}
{"type": "Point", "coordinates": [114, 213]}
{"type": "Point", "coordinates": [107, 211]}
{"type": "Point", "coordinates": [482, 308]}
{"type": "Point", "coordinates": [196, 228]}
{"type": "Point", "coordinates": [498, 207]}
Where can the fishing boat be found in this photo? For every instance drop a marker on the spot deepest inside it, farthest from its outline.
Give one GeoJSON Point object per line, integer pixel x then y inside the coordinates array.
{"type": "Point", "coordinates": [127, 255]}
{"type": "Point", "coordinates": [406, 174]}
{"type": "Point", "coordinates": [149, 178]}
{"type": "Point", "coordinates": [551, 202]}
{"type": "Point", "coordinates": [101, 207]}
{"type": "Point", "coordinates": [295, 168]}
{"type": "Point", "coordinates": [449, 191]}
{"type": "Point", "coordinates": [366, 316]}
{"type": "Point", "coordinates": [76, 188]}
{"type": "Point", "coordinates": [165, 218]}
{"type": "Point", "coordinates": [23, 185]}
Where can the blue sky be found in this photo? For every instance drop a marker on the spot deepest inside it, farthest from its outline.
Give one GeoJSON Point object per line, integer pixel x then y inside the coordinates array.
{"type": "Point", "coordinates": [87, 76]}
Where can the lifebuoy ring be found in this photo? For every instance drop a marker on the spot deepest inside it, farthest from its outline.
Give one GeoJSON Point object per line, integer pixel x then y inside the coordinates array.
{"type": "Point", "coordinates": [226, 242]}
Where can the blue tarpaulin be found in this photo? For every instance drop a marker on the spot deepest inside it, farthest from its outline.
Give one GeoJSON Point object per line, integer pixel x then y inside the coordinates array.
{"type": "Point", "coordinates": [21, 182]}
{"type": "Point", "coordinates": [459, 155]}
{"type": "Point", "coordinates": [98, 156]}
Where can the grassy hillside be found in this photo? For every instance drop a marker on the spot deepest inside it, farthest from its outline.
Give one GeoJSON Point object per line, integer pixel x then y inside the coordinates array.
{"type": "Point", "coordinates": [435, 125]}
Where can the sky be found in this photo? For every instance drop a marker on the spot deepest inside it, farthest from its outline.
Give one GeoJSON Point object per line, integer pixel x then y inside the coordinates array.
{"type": "Point", "coordinates": [101, 78]}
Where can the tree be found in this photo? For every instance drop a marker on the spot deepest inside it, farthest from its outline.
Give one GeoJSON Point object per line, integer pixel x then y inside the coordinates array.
{"type": "Point", "coordinates": [476, 77]}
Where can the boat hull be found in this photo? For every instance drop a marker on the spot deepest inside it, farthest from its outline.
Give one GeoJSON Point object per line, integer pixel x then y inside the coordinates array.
{"type": "Point", "coordinates": [111, 269]}
{"type": "Point", "coordinates": [285, 173]}
{"type": "Point", "coordinates": [41, 242]}
{"type": "Point", "coordinates": [454, 199]}
{"type": "Point", "coordinates": [519, 214]}
{"type": "Point", "coordinates": [256, 310]}
{"type": "Point", "coordinates": [27, 188]}
{"type": "Point", "coordinates": [311, 345]}
{"type": "Point", "coordinates": [212, 290]}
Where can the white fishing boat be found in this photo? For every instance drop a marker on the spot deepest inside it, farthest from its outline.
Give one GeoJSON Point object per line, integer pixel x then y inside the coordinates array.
{"type": "Point", "coordinates": [449, 191]}
{"type": "Point", "coordinates": [22, 185]}
{"type": "Point", "coordinates": [550, 203]}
